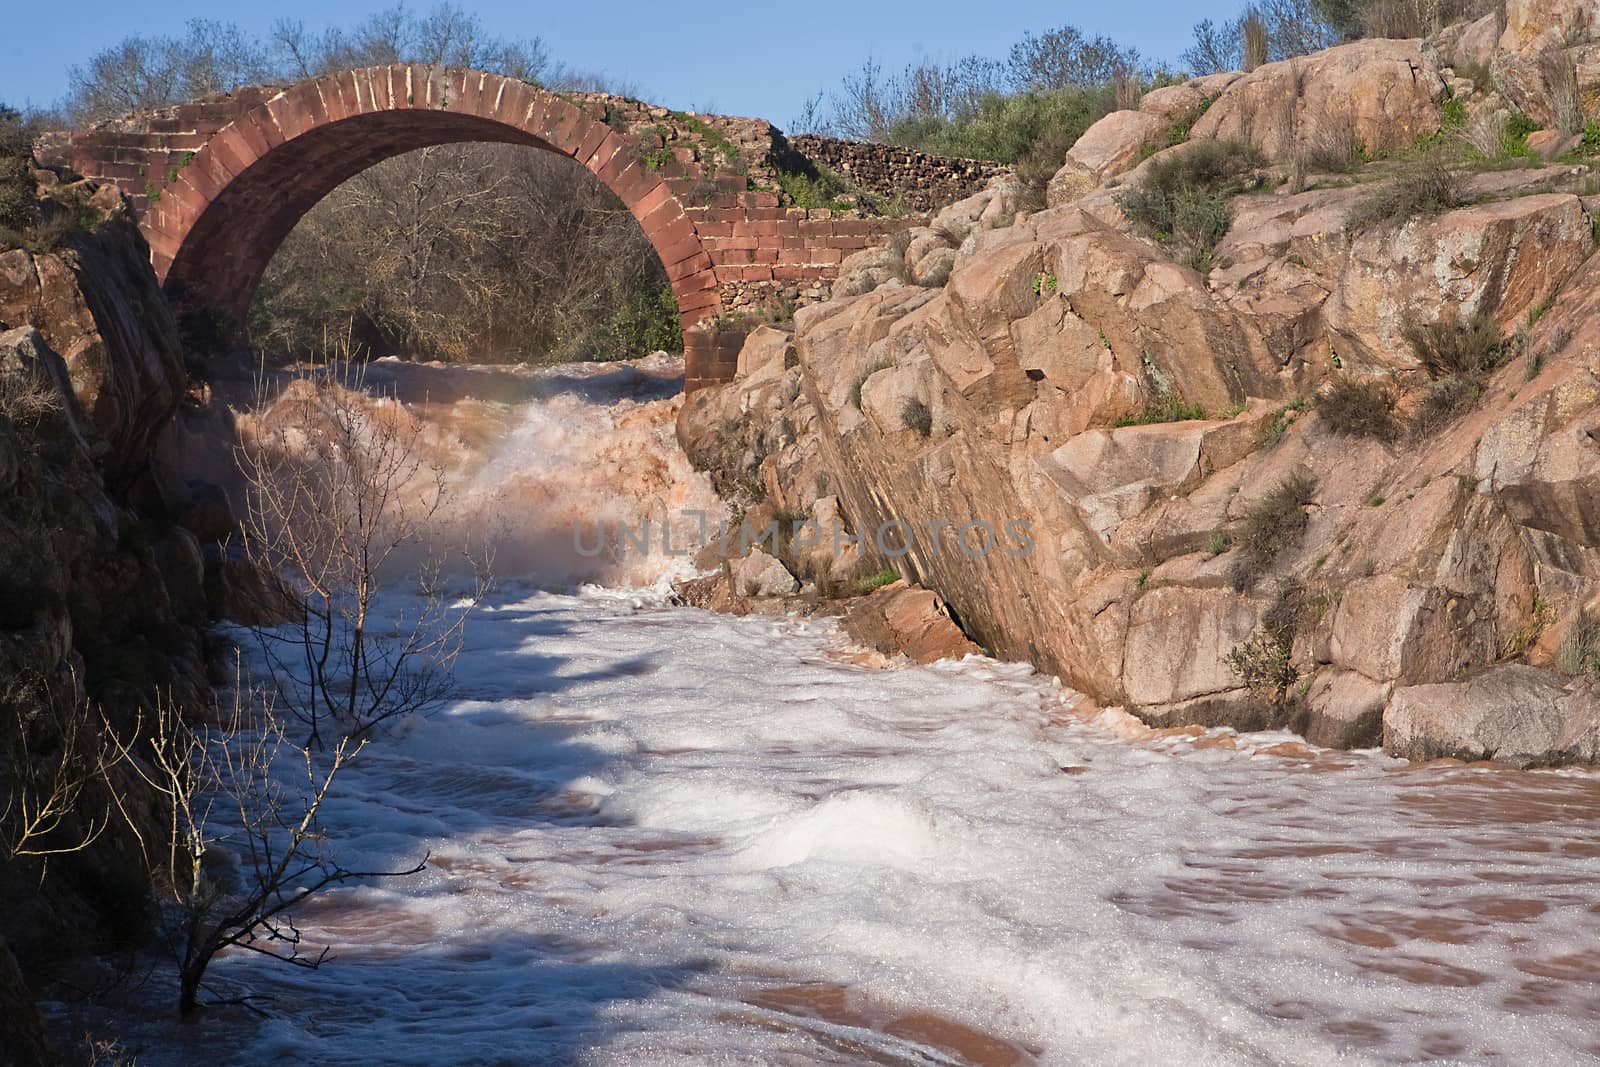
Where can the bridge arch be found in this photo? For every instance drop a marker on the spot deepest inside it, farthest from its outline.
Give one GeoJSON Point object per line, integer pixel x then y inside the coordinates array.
{"type": "Point", "coordinates": [216, 215]}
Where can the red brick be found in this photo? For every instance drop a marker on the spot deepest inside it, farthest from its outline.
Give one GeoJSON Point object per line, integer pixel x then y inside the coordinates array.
{"type": "Point", "coordinates": [651, 200]}
{"type": "Point", "coordinates": [589, 141]}
{"type": "Point", "coordinates": [233, 149]}
{"type": "Point", "coordinates": [610, 146]}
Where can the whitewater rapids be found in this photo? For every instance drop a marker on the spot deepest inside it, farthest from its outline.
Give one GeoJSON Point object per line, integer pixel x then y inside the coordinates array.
{"type": "Point", "coordinates": [663, 836]}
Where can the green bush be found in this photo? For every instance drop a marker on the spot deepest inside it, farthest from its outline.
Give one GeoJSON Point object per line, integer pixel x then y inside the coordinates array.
{"type": "Point", "coordinates": [1359, 409]}
{"type": "Point", "coordinates": [19, 208]}
{"type": "Point", "coordinates": [822, 188]}
{"type": "Point", "coordinates": [1184, 197]}
{"type": "Point", "coordinates": [1007, 127]}
{"type": "Point", "coordinates": [646, 321]}
{"type": "Point", "coordinates": [1165, 408]}
{"type": "Point", "coordinates": [1273, 525]}
{"type": "Point", "coordinates": [879, 580]}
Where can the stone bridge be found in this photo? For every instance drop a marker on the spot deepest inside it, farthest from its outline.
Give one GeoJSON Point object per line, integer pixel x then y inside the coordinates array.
{"type": "Point", "coordinates": [218, 183]}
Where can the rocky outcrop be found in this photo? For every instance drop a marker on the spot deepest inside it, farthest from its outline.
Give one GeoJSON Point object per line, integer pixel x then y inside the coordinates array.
{"type": "Point", "coordinates": [1027, 402]}
{"type": "Point", "coordinates": [97, 305]}
{"type": "Point", "coordinates": [1382, 93]}
{"type": "Point", "coordinates": [102, 600]}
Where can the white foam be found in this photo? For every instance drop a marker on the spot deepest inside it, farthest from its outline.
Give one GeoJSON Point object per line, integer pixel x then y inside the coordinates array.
{"type": "Point", "coordinates": [645, 817]}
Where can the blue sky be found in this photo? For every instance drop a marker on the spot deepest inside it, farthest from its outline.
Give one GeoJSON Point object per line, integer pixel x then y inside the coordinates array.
{"type": "Point", "coordinates": [758, 58]}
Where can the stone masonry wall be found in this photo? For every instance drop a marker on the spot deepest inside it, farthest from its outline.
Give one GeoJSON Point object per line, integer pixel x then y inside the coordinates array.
{"type": "Point", "coordinates": [920, 181]}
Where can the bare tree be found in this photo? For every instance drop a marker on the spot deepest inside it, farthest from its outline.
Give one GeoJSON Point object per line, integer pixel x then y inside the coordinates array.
{"type": "Point", "coordinates": [1066, 58]}
{"type": "Point", "coordinates": [1216, 49]}
{"type": "Point", "coordinates": [340, 501]}
{"type": "Point", "coordinates": [239, 792]}
{"type": "Point", "coordinates": [54, 762]}
{"type": "Point", "coordinates": [471, 252]}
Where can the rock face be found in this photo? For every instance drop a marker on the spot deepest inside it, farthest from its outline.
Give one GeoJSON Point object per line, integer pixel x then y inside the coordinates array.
{"type": "Point", "coordinates": [99, 308]}
{"type": "Point", "coordinates": [1383, 93]}
{"type": "Point", "coordinates": [1424, 578]}
{"type": "Point", "coordinates": [102, 604]}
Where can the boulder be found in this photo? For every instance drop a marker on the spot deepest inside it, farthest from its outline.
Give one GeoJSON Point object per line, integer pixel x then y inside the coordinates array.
{"type": "Point", "coordinates": [901, 619]}
{"type": "Point", "coordinates": [1384, 93]}
{"type": "Point", "coordinates": [1503, 258]}
{"type": "Point", "coordinates": [761, 575]}
{"type": "Point", "coordinates": [1573, 21]}
{"type": "Point", "coordinates": [765, 350]}
{"type": "Point", "coordinates": [1115, 144]}
{"type": "Point", "coordinates": [1178, 641]}
{"type": "Point", "coordinates": [1512, 714]}
{"type": "Point", "coordinates": [1342, 709]}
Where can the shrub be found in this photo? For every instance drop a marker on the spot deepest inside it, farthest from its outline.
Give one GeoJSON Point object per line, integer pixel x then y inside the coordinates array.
{"type": "Point", "coordinates": [1276, 426]}
{"type": "Point", "coordinates": [1359, 409]}
{"type": "Point", "coordinates": [1579, 651]}
{"type": "Point", "coordinates": [917, 416]}
{"type": "Point", "coordinates": [1447, 400]}
{"type": "Point", "coordinates": [1471, 348]}
{"type": "Point", "coordinates": [819, 188]}
{"type": "Point", "coordinates": [1428, 189]}
{"type": "Point", "coordinates": [887, 576]}
{"type": "Point", "coordinates": [1184, 197]}
{"type": "Point", "coordinates": [1265, 662]}
{"type": "Point", "coordinates": [1165, 408]}
{"type": "Point", "coordinates": [18, 203]}
{"type": "Point", "coordinates": [1218, 543]}
{"type": "Point", "coordinates": [1274, 524]}
{"type": "Point", "coordinates": [1459, 355]}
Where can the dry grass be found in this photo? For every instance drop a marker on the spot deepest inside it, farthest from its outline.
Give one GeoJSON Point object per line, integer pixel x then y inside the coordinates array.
{"type": "Point", "coordinates": [1273, 525]}
{"type": "Point", "coordinates": [1359, 409]}
{"type": "Point", "coordinates": [1331, 145]}
{"type": "Point", "coordinates": [1429, 188]}
{"type": "Point", "coordinates": [1459, 355]}
{"type": "Point", "coordinates": [917, 416]}
{"type": "Point", "coordinates": [1560, 80]}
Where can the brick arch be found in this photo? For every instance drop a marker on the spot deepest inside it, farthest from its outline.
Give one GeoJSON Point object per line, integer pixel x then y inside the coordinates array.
{"type": "Point", "coordinates": [216, 218]}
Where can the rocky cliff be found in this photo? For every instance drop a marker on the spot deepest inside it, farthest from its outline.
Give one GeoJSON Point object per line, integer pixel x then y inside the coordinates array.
{"type": "Point", "coordinates": [1255, 494]}
{"type": "Point", "coordinates": [102, 606]}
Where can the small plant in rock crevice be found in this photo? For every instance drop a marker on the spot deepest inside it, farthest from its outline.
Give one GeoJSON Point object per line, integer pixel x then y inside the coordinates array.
{"type": "Point", "coordinates": [1459, 355]}
{"type": "Point", "coordinates": [887, 576]}
{"type": "Point", "coordinates": [1353, 408]}
{"type": "Point", "coordinates": [917, 416]}
{"type": "Point", "coordinates": [1272, 526]}
{"type": "Point", "coordinates": [1264, 663]}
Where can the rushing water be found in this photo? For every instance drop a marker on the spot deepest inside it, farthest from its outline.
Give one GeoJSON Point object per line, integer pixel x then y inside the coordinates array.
{"type": "Point", "coordinates": [659, 835]}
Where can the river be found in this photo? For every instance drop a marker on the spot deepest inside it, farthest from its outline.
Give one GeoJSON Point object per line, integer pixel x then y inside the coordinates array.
{"type": "Point", "coordinates": [659, 835]}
